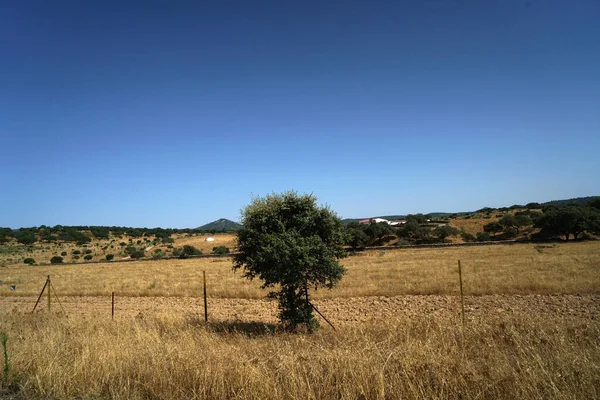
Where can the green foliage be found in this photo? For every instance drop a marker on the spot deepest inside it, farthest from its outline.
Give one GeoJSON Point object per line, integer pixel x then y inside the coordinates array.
{"type": "Point", "coordinates": [291, 244]}
{"type": "Point", "coordinates": [355, 236]}
{"type": "Point", "coordinates": [569, 220]}
{"type": "Point", "coordinates": [25, 237]}
{"type": "Point", "coordinates": [158, 254]}
{"type": "Point", "coordinates": [418, 218]}
{"type": "Point", "coordinates": [64, 253]}
{"type": "Point", "coordinates": [76, 252]}
{"type": "Point", "coordinates": [186, 251]}
{"type": "Point", "coordinates": [100, 232]}
{"type": "Point", "coordinates": [109, 257]}
{"type": "Point", "coordinates": [88, 257]}
{"type": "Point", "coordinates": [483, 236]}
{"type": "Point", "coordinates": [535, 206]}
{"type": "Point", "coordinates": [56, 260]}
{"type": "Point", "coordinates": [88, 251]}
{"type": "Point", "coordinates": [468, 237]}
{"type": "Point", "coordinates": [220, 250]}
{"type": "Point", "coordinates": [220, 225]}
{"type": "Point", "coordinates": [29, 261]}
{"type": "Point", "coordinates": [442, 232]}
{"type": "Point", "coordinates": [377, 232]}
{"type": "Point", "coordinates": [493, 227]}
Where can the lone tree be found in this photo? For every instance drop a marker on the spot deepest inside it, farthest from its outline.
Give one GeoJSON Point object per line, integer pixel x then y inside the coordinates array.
{"type": "Point", "coordinates": [292, 244]}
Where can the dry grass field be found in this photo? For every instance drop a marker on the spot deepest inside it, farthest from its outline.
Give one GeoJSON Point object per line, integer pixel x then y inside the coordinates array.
{"type": "Point", "coordinates": [99, 248]}
{"type": "Point", "coordinates": [532, 329]}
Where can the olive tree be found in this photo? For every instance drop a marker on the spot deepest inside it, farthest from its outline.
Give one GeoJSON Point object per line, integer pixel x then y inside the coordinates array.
{"type": "Point", "coordinates": [292, 245]}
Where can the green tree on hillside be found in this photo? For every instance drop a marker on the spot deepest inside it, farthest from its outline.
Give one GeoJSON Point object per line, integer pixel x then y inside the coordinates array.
{"type": "Point", "coordinates": [493, 227]}
{"type": "Point", "coordinates": [570, 220]}
{"type": "Point", "coordinates": [442, 232]}
{"type": "Point", "coordinates": [292, 244]}
{"type": "Point", "coordinates": [356, 237]}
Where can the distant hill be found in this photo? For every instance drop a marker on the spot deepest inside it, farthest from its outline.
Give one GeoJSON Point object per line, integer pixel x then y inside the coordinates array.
{"type": "Point", "coordinates": [221, 224]}
{"type": "Point", "coordinates": [576, 200]}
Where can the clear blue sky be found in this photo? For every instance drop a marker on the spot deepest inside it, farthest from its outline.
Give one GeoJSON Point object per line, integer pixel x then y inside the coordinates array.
{"type": "Point", "coordinates": [173, 114]}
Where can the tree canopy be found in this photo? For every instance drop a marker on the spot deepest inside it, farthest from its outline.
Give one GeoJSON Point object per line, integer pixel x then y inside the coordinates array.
{"type": "Point", "coordinates": [291, 243]}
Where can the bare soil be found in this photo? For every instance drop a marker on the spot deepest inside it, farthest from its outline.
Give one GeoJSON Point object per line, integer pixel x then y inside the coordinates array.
{"type": "Point", "coordinates": [340, 311]}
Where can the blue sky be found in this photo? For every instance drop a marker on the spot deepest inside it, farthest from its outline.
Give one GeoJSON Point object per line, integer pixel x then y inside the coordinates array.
{"type": "Point", "coordinates": [174, 114]}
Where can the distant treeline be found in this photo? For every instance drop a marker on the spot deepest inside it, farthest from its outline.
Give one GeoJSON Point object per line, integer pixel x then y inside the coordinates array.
{"type": "Point", "coordinates": [531, 221]}
{"type": "Point", "coordinates": [83, 234]}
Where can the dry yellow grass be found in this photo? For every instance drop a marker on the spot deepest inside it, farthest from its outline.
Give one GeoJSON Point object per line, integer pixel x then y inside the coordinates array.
{"type": "Point", "coordinates": [175, 357]}
{"type": "Point", "coordinates": [99, 248]}
{"type": "Point", "coordinates": [509, 269]}
{"type": "Point", "coordinates": [525, 347]}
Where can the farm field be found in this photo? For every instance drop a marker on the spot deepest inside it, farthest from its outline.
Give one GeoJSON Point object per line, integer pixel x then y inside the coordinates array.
{"type": "Point", "coordinates": [532, 329]}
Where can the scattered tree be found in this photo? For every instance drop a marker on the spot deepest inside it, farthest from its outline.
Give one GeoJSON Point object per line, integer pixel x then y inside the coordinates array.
{"type": "Point", "coordinates": [291, 243]}
{"type": "Point", "coordinates": [493, 227]}
{"type": "Point", "coordinates": [186, 251]}
{"type": "Point", "coordinates": [442, 232]}
{"type": "Point", "coordinates": [29, 261]}
{"type": "Point", "coordinates": [356, 237]}
{"type": "Point", "coordinates": [56, 260]}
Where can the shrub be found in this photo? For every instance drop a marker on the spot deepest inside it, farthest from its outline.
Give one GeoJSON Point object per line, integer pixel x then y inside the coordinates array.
{"type": "Point", "coordinates": [88, 251]}
{"type": "Point", "coordinates": [64, 253]}
{"type": "Point", "coordinates": [29, 261]}
{"type": "Point", "coordinates": [88, 257]}
{"type": "Point", "coordinates": [468, 237]}
{"type": "Point", "coordinates": [137, 253]}
{"type": "Point", "coordinates": [76, 252]}
{"type": "Point", "coordinates": [109, 257]}
{"type": "Point", "coordinates": [221, 250]}
{"type": "Point", "coordinates": [483, 236]}
{"type": "Point", "coordinates": [56, 260]}
{"type": "Point", "coordinates": [186, 251]}
{"type": "Point", "coordinates": [158, 254]}
{"type": "Point", "coordinates": [75, 257]}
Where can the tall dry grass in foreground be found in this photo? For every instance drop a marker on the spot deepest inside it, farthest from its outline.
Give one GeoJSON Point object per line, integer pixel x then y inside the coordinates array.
{"type": "Point", "coordinates": [503, 269]}
{"type": "Point", "coordinates": [177, 357]}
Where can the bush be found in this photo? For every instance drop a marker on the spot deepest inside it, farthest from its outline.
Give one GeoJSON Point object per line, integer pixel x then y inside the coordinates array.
{"type": "Point", "coordinates": [64, 253]}
{"type": "Point", "coordinates": [483, 237]}
{"type": "Point", "coordinates": [56, 260]}
{"type": "Point", "coordinates": [109, 257]}
{"type": "Point", "coordinates": [75, 257]}
{"type": "Point", "coordinates": [468, 237]}
{"type": "Point", "coordinates": [88, 251]}
{"type": "Point", "coordinates": [139, 253]}
{"type": "Point", "coordinates": [76, 252]}
{"type": "Point", "coordinates": [221, 250]}
{"type": "Point", "coordinates": [88, 257]}
{"type": "Point", "coordinates": [29, 261]}
{"type": "Point", "coordinates": [186, 251]}
{"type": "Point", "coordinates": [158, 254]}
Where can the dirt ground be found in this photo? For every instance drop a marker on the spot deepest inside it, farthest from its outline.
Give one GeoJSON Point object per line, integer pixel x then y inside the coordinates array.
{"type": "Point", "coordinates": [339, 311]}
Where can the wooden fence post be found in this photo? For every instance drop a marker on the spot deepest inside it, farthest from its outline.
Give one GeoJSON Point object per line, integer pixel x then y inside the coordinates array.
{"type": "Point", "coordinates": [462, 298]}
{"type": "Point", "coordinates": [205, 303]}
{"type": "Point", "coordinates": [49, 283]}
{"type": "Point", "coordinates": [113, 306]}
{"type": "Point", "coordinates": [40, 296]}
